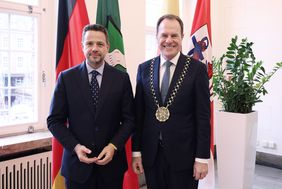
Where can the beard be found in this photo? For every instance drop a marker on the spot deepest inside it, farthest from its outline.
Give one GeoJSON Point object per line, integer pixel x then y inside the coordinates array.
{"type": "Point", "coordinates": [95, 59]}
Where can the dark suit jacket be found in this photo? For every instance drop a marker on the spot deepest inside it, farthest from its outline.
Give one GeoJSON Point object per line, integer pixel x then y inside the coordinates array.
{"type": "Point", "coordinates": [113, 121]}
{"type": "Point", "coordinates": [186, 134]}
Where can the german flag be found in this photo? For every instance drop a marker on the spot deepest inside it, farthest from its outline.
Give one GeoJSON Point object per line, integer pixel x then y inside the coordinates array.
{"type": "Point", "coordinates": [72, 17]}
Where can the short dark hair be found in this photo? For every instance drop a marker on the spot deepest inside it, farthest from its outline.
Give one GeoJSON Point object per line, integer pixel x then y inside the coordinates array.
{"type": "Point", "coordinates": [170, 17]}
{"type": "Point", "coordinates": [95, 27]}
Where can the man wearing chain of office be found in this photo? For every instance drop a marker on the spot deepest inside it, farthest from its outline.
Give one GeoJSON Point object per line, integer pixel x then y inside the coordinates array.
{"type": "Point", "coordinates": [172, 141]}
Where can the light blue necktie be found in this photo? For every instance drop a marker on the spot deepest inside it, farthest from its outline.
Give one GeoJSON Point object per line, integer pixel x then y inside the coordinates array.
{"type": "Point", "coordinates": [165, 81]}
{"type": "Point", "coordinates": [94, 88]}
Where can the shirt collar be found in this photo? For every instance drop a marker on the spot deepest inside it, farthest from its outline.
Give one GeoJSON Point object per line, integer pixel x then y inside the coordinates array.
{"type": "Point", "coordinates": [174, 60]}
{"type": "Point", "coordinates": [100, 70]}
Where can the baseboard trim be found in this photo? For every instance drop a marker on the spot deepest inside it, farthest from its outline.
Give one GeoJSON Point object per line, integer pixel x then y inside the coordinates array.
{"type": "Point", "coordinates": [269, 160]}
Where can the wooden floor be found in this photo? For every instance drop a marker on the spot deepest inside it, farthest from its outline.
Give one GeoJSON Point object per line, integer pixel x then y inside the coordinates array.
{"type": "Point", "coordinates": [265, 178]}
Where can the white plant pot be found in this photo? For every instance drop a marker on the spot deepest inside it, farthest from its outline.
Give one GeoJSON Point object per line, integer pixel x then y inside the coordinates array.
{"type": "Point", "coordinates": [236, 149]}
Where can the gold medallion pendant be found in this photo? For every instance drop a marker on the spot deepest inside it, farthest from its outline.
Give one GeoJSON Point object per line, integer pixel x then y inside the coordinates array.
{"type": "Point", "coordinates": [162, 114]}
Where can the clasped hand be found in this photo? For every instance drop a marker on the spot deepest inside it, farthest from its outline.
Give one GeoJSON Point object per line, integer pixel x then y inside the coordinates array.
{"type": "Point", "coordinates": [103, 158]}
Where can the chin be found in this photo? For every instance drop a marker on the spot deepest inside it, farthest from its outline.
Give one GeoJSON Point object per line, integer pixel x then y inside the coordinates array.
{"type": "Point", "coordinates": [169, 55]}
{"type": "Point", "coordinates": [96, 60]}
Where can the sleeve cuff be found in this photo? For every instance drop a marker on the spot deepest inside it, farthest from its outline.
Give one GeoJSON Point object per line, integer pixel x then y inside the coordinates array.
{"type": "Point", "coordinates": [200, 160]}
{"type": "Point", "coordinates": [112, 145]}
{"type": "Point", "coordinates": [136, 154]}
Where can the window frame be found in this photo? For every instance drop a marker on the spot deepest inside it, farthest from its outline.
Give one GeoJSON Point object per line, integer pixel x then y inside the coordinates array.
{"type": "Point", "coordinates": [46, 23]}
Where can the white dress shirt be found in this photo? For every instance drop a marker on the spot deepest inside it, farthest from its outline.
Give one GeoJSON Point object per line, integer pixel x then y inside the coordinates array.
{"type": "Point", "coordinates": [100, 70]}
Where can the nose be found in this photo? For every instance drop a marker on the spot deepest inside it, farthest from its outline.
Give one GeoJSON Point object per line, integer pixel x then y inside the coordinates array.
{"type": "Point", "coordinates": [94, 47]}
{"type": "Point", "coordinates": [168, 39]}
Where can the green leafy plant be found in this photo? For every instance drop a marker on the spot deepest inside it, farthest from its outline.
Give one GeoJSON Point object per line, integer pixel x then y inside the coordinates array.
{"type": "Point", "coordinates": [238, 79]}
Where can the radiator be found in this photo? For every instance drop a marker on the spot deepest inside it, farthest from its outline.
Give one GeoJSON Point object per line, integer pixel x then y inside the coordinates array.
{"type": "Point", "coordinates": [29, 172]}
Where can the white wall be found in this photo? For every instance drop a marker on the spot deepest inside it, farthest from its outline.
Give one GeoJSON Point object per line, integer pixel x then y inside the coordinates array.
{"type": "Point", "coordinates": [260, 22]}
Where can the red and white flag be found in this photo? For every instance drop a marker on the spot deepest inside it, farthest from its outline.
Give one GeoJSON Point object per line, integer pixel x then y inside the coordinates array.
{"type": "Point", "coordinates": [201, 49]}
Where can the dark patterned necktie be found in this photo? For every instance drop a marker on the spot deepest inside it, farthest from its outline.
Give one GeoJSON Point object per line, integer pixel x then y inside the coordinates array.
{"type": "Point", "coordinates": [94, 88]}
{"type": "Point", "coordinates": [165, 81]}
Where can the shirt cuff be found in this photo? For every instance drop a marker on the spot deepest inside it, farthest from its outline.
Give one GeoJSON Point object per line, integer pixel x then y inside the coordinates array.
{"type": "Point", "coordinates": [111, 144]}
{"type": "Point", "coordinates": [136, 154]}
{"type": "Point", "coordinates": [200, 160]}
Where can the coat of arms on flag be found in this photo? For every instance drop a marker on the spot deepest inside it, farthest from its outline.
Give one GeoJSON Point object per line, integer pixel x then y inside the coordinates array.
{"type": "Point", "coordinates": [201, 49]}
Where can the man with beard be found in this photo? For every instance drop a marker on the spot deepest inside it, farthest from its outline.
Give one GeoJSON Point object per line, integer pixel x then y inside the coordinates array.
{"type": "Point", "coordinates": [95, 101]}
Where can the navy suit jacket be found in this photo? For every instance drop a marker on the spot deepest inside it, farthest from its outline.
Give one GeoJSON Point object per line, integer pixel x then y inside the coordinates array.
{"type": "Point", "coordinates": [112, 122]}
{"type": "Point", "coordinates": [186, 134]}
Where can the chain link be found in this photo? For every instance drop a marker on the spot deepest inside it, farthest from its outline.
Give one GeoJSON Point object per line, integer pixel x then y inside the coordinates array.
{"type": "Point", "coordinates": [176, 87]}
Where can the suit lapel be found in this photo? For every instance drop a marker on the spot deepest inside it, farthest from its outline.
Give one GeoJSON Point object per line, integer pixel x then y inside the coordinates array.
{"type": "Point", "coordinates": [85, 88]}
{"type": "Point", "coordinates": [156, 76]}
{"type": "Point", "coordinates": [106, 84]}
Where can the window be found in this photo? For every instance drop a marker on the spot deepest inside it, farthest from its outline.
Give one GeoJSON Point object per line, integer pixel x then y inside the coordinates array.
{"type": "Point", "coordinates": [27, 2]}
{"type": "Point", "coordinates": [153, 12]}
{"type": "Point", "coordinates": [18, 69]}
{"type": "Point", "coordinates": [23, 64]}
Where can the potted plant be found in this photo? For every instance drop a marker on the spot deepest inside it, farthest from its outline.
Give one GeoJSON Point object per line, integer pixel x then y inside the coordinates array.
{"type": "Point", "coordinates": [239, 83]}
{"type": "Point", "coordinates": [238, 79]}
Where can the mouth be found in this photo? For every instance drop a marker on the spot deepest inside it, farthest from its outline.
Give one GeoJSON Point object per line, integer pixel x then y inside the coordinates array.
{"type": "Point", "coordinates": [169, 46]}
{"type": "Point", "coordinates": [94, 54]}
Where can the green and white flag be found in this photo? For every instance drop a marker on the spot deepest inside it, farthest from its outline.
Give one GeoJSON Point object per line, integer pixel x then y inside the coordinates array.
{"type": "Point", "coordinates": [108, 16]}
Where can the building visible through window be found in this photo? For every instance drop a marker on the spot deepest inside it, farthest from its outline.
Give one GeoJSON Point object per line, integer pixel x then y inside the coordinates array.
{"type": "Point", "coordinates": [27, 50]}
{"type": "Point", "coordinates": [18, 69]}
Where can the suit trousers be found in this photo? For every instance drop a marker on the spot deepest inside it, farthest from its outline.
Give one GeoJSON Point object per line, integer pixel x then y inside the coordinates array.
{"type": "Point", "coordinates": [161, 176]}
{"type": "Point", "coordinates": [95, 181]}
